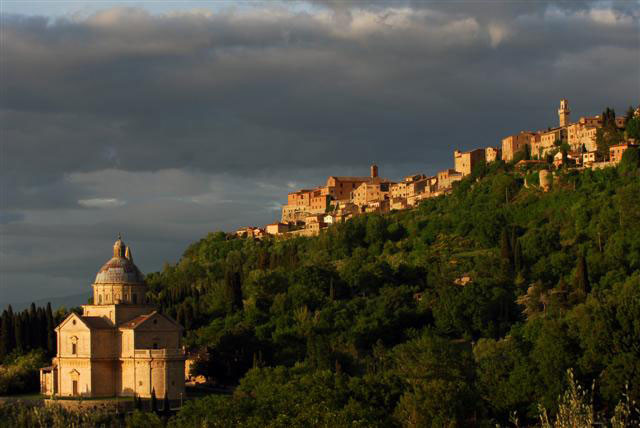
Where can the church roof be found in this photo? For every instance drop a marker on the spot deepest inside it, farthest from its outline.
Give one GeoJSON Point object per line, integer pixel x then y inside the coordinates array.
{"type": "Point", "coordinates": [97, 323]}
{"type": "Point", "coordinates": [137, 321]}
{"type": "Point", "coordinates": [120, 269]}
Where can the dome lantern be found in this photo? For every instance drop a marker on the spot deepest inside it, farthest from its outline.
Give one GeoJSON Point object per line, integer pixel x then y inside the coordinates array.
{"type": "Point", "coordinates": [119, 248]}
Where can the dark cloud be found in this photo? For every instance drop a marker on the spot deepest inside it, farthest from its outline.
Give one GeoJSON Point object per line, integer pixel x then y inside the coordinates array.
{"type": "Point", "coordinates": [176, 124]}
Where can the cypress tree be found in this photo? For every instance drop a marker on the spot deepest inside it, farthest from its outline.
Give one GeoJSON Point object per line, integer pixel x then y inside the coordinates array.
{"type": "Point", "coordinates": [18, 333]}
{"type": "Point", "coordinates": [188, 316]}
{"type": "Point", "coordinates": [6, 335]}
{"type": "Point", "coordinates": [505, 245]}
{"type": "Point", "coordinates": [581, 280]}
{"type": "Point", "coordinates": [154, 401]}
{"type": "Point", "coordinates": [167, 406]}
{"type": "Point", "coordinates": [517, 256]}
{"type": "Point", "coordinates": [506, 253]}
{"type": "Point", "coordinates": [51, 335]}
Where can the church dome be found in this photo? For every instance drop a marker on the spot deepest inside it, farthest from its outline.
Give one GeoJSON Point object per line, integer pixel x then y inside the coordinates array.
{"type": "Point", "coordinates": [120, 269]}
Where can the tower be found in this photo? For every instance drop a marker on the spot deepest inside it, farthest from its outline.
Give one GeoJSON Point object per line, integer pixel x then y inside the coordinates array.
{"type": "Point", "coordinates": [374, 171]}
{"type": "Point", "coordinates": [563, 112]}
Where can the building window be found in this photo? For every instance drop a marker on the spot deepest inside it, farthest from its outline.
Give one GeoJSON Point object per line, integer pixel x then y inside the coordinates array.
{"type": "Point", "coordinates": [73, 349]}
{"type": "Point", "coordinates": [135, 298]}
{"type": "Point", "coordinates": [100, 299]}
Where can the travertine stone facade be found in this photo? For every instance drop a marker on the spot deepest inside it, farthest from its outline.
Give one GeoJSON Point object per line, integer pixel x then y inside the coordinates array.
{"type": "Point", "coordinates": [464, 162]}
{"type": "Point", "coordinates": [514, 143]}
{"type": "Point", "coordinates": [119, 346]}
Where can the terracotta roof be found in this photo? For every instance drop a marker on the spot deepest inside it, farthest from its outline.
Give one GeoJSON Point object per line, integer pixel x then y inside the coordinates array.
{"type": "Point", "coordinates": [97, 323]}
{"type": "Point", "coordinates": [137, 321]}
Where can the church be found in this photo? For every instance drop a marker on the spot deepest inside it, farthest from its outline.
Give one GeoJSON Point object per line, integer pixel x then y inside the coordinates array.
{"type": "Point", "coordinates": [120, 345]}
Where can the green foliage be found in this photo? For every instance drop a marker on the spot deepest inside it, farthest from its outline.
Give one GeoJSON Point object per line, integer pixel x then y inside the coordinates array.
{"type": "Point", "coordinates": [460, 311]}
{"type": "Point", "coordinates": [139, 419]}
{"type": "Point", "coordinates": [21, 414]}
{"type": "Point", "coordinates": [20, 373]}
{"type": "Point", "coordinates": [632, 128]}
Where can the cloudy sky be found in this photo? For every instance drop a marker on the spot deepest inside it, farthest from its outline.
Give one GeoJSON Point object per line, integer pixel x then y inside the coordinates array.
{"type": "Point", "coordinates": [168, 120]}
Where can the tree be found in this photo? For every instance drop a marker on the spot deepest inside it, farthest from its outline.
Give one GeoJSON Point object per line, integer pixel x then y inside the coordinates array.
{"type": "Point", "coordinates": [581, 280]}
{"type": "Point", "coordinates": [506, 253]}
{"type": "Point", "coordinates": [154, 401]}
{"type": "Point", "coordinates": [51, 334]}
{"type": "Point", "coordinates": [517, 256]}
{"type": "Point", "coordinates": [632, 128]}
{"type": "Point", "coordinates": [137, 402]}
{"type": "Point", "coordinates": [6, 335]}
{"type": "Point", "coordinates": [233, 290]}
{"type": "Point", "coordinates": [18, 329]}
{"type": "Point", "coordinates": [438, 376]}
{"type": "Point", "coordinates": [630, 161]}
{"type": "Point", "coordinates": [166, 408]}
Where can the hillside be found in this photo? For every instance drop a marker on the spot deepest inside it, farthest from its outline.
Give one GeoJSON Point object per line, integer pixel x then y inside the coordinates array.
{"type": "Point", "coordinates": [466, 309]}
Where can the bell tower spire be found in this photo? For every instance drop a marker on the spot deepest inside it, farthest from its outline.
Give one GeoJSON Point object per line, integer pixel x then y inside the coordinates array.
{"type": "Point", "coordinates": [563, 112]}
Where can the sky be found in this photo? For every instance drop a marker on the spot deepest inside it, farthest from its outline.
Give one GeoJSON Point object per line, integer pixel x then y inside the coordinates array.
{"type": "Point", "coordinates": [165, 121]}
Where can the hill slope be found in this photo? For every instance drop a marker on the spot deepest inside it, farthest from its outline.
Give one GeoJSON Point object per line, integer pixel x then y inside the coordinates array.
{"type": "Point", "coordinates": [468, 308]}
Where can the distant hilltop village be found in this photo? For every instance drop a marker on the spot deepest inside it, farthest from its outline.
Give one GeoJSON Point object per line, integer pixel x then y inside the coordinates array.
{"type": "Point", "coordinates": [569, 144]}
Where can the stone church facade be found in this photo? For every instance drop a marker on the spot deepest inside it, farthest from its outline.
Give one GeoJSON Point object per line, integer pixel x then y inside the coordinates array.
{"type": "Point", "coordinates": [120, 345]}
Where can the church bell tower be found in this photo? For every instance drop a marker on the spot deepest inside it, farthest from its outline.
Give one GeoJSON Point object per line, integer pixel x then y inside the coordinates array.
{"type": "Point", "coordinates": [563, 112]}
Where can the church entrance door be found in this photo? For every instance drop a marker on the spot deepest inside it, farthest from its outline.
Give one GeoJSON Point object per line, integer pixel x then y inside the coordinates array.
{"type": "Point", "coordinates": [74, 387]}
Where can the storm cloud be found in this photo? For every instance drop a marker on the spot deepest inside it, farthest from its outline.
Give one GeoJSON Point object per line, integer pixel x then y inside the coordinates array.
{"type": "Point", "coordinates": [168, 125]}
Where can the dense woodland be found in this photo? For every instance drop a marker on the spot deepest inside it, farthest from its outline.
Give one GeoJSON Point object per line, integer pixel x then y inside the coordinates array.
{"type": "Point", "coordinates": [478, 308]}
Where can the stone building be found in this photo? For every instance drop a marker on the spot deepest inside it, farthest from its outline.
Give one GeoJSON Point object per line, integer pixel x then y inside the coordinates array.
{"type": "Point", "coordinates": [616, 152]}
{"type": "Point", "coordinates": [515, 143]}
{"type": "Point", "coordinates": [492, 154]}
{"type": "Point", "coordinates": [447, 177]}
{"type": "Point", "coordinates": [464, 162]}
{"type": "Point", "coordinates": [367, 193]}
{"type": "Point", "coordinates": [120, 345]}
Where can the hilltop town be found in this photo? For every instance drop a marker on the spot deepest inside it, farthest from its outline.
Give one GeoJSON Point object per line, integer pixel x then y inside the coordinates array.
{"type": "Point", "coordinates": [567, 145]}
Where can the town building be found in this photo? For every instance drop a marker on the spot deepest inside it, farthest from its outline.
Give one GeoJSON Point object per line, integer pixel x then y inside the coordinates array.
{"type": "Point", "coordinates": [367, 193]}
{"type": "Point", "coordinates": [277, 228]}
{"type": "Point", "coordinates": [464, 162]}
{"type": "Point", "coordinates": [515, 143]}
{"type": "Point", "coordinates": [616, 152]}
{"type": "Point", "coordinates": [492, 154]}
{"type": "Point", "coordinates": [549, 140]}
{"type": "Point", "coordinates": [447, 177]}
{"type": "Point", "coordinates": [589, 158]}
{"type": "Point", "coordinates": [120, 345]}
{"type": "Point", "coordinates": [582, 134]}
